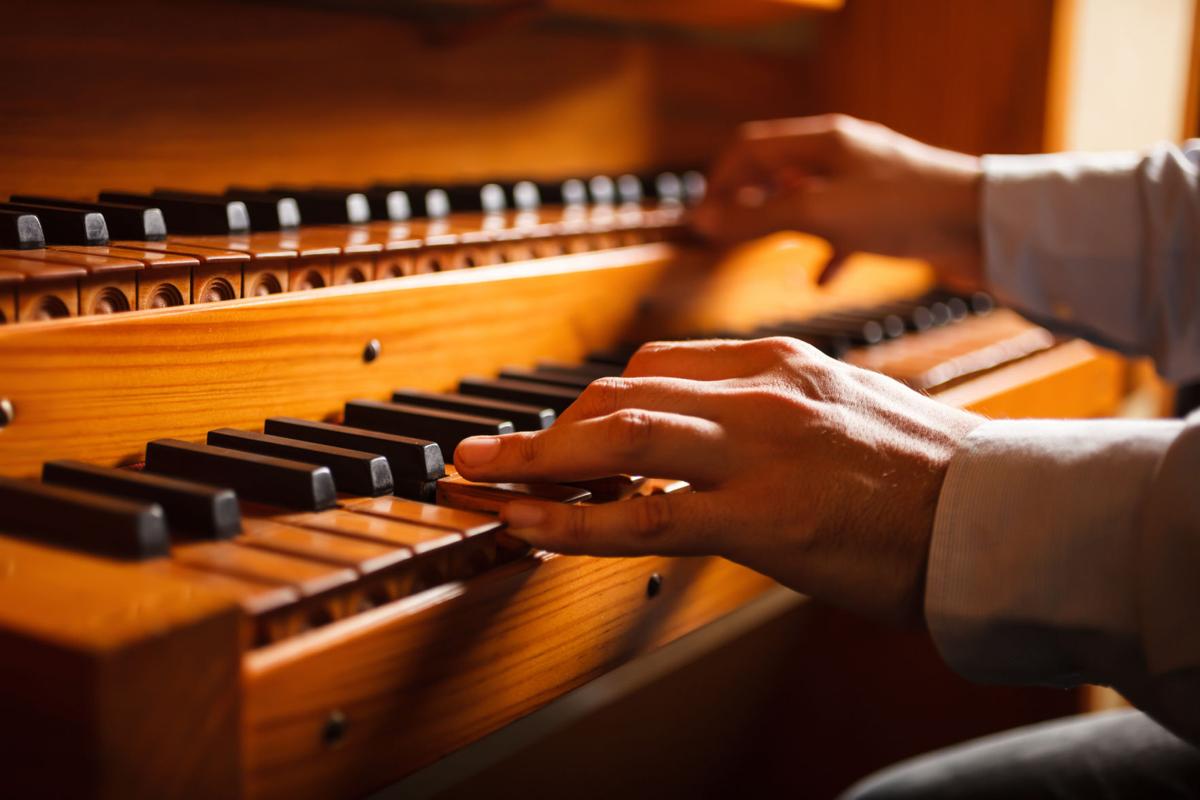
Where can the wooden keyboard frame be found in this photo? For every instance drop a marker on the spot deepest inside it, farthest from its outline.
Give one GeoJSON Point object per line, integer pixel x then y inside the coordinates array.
{"type": "Point", "coordinates": [356, 704]}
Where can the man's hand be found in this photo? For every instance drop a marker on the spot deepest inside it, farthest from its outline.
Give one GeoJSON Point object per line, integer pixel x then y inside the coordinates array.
{"type": "Point", "coordinates": [822, 475]}
{"type": "Point", "coordinates": [862, 186]}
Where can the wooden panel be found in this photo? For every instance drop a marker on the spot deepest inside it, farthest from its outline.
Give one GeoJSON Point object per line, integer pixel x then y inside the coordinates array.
{"type": "Point", "coordinates": [421, 677]}
{"type": "Point", "coordinates": [101, 689]}
{"type": "Point", "coordinates": [221, 104]}
{"type": "Point", "coordinates": [235, 95]}
{"type": "Point", "coordinates": [966, 74]}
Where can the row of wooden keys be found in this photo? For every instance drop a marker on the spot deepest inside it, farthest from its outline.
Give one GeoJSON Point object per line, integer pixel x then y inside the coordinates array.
{"type": "Point", "coordinates": [123, 251]}
{"type": "Point", "coordinates": [305, 522]}
{"type": "Point", "coordinates": [309, 522]}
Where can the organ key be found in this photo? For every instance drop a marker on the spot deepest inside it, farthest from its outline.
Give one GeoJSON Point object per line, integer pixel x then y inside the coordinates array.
{"type": "Point", "coordinates": [85, 521]}
{"type": "Point", "coordinates": [280, 481]}
{"type": "Point", "coordinates": [196, 508]}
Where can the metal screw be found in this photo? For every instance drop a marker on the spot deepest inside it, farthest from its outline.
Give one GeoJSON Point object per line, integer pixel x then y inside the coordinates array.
{"type": "Point", "coordinates": [6, 411]}
{"type": "Point", "coordinates": [371, 351]}
{"type": "Point", "coordinates": [654, 585]}
{"type": "Point", "coordinates": [334, 728]}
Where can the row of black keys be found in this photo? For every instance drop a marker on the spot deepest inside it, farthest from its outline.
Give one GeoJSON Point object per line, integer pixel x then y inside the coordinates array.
{"type": "Point", "coordinates": [33, 221]}
{"type": "Point", "coordinates": [193, 489]}
{"type": "Point", "coordinates": [837, 332]}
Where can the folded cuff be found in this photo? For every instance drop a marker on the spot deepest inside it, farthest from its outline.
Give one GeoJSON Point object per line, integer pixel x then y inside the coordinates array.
{"type": "Point", "coordinates": [1031, 573]}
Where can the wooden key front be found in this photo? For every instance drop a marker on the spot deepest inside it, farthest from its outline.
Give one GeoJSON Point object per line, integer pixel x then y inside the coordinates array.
{"type": "Point", "coordinates": [46, 290]}
{"type": "Point", "coordinates": [110, 285]}
{"type": "Point", "coordinates": [386, 572]}
{"type": "Point", "coordinates": [215, 274]}
{"type": "Point", "coordinates": [9, 280]}
{"type": "Point", "coordinates": [440, 555]}
{"type": "Point", "coordinates": [274, 611]}
{"type": "Point", "coordinates": [400, 242]}
{"type": "Point", "coordinates": [269, 264]}
{"type": "Point", "coordinates": [329, 591]}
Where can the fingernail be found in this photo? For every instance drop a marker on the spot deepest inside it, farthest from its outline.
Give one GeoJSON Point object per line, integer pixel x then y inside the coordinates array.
{"type": "Point", "coordinates": [477, 450]}
{"type": "Point", "coordinates": [523, 515]}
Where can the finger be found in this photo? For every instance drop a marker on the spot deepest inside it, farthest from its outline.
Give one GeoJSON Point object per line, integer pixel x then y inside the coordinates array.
{"type": "Point", "coordinates": [791, 208]}
{"type": "Point", "coordinates": [699, 360]}
{"type": "Point", "coordinates": [691, 523]}
{"type": "Point", "coordinates": [605, 396]}
{"type": "Point", "coordinates": [632, 441]}
{"type": "Point", "coordinates": [764, 150]}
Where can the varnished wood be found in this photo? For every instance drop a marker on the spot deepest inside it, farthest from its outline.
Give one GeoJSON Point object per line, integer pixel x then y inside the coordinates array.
{"type": "Point", "coordinates": [92, 680]}
{"type": "Point", "coordinates": [45, 289]}
{"type": "Point", "coordinates": [407, 676]}
{"type": "Point", "coordinates": [9, 279]}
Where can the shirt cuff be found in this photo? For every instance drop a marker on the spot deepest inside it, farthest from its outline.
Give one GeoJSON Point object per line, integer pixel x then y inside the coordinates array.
{"type": "Point", "coordinates": [1032, 574]}
{"type": "Point", "coordinates": [1060, 233]}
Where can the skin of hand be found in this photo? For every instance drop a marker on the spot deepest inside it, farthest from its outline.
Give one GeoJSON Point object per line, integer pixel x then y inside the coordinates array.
{"type": "Point", "coordinates": [860, 185]}
{"type": "Point", "coordinates": [819, 474]}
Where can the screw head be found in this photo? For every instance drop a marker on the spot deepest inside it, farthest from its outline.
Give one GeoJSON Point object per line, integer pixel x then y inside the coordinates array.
{"type": "Point", "coordinates": [371, 351]}
{"type": "Point", "coordinates": [6, 411]}
{"type": "Point", "coordinates": [334, 729]}
{"type": "Point", "coordinates": [654, 585]}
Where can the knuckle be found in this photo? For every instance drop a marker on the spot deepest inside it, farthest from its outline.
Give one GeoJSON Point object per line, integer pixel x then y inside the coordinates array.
{"type": "Point", "coordinates": [632, 430]}
{"type": "Point", "coordinates": [528, 447]}
{"type": "Point", "coordinates": [605, 395]}
{"type": "Point", "coordinates": [780, 348]}
{"type": "Point", "coordinates": [577, 529]}
{"type": "Point", "coordinates": [839, 122]}
{"type": "Point", "coordinates": [652, 516]}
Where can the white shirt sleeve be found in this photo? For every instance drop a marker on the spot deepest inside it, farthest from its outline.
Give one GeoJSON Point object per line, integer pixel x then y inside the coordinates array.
{"type": "Point", "coordinates": [1068, 552]}
{"type": "Point", "coordinates": [1106, 245]}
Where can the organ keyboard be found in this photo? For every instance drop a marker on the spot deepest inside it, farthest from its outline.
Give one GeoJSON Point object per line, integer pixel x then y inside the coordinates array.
{"type": "Point", "coordinates": [228, 424]}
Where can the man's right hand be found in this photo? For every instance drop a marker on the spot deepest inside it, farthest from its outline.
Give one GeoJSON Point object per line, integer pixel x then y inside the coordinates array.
{"type": "Point", "coordinates": [859, 185]}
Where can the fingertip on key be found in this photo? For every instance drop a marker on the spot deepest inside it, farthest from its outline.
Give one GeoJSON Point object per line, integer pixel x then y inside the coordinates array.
{"type": "Point", "coordinates": [477, 450]}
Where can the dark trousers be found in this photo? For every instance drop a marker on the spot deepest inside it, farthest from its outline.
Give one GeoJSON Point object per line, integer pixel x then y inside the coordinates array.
{"type": "Point", "coordinates": [1119, 754]}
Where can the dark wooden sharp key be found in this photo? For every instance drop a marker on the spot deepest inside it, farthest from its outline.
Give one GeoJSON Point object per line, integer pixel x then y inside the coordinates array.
{"type": "Point", "coordinates": [86, 521]}
{"type": "Point", "coordinates": [353, 471]}
{"type": "Point", "coordinates": [196, 508]}
{"type": "Point", "coordinates": [123, 221]}
{"type": "Point", "coordinates": [420, 199]}
{"type": "Point", "coordinates": [411, 460]}
{"type": "Point", "coordinates": [553, 377]}
{"type": "Point", "coordinates": [190, 215]}
{"type": "Point", "coordinates": [266, 212]}
{"type": "Point", "coordinates": [279, 481]}
{"type": "Point", "coordinates": [69, 226]}
{"type": "Point", "coordinates": [325, 206]}
{"type": "Point", "coordinates": [447, 428]}
{"type": "Point", "coordinates": [20, 230]}
{"type": "Point", "coordinates": [596, 369]}
{"type": "Point", "coordinates": [544, 394]}
{"type": "Point", "coordinates": [618, 355]}
{"type": "Point", "coordinates": [524, 417]}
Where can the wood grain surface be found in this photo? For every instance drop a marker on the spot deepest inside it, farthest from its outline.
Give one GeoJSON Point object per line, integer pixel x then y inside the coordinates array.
{"type": "Point", "coordinates": [422, 677]}
{"type": "Point", "coordinates": [99, 388]}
